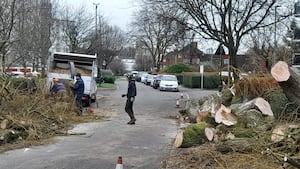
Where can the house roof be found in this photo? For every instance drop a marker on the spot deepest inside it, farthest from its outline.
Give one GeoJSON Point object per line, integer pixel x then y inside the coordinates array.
{"type": "Point", "coordinates": [191, 49]}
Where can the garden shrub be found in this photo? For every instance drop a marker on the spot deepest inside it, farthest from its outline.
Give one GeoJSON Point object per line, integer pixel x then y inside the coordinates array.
{"type": "Point", "coordinates": [209, 81]}
{"type": "Point", "coordinates": [178, 68]}
{"type": "Point", "coordinates": [109, 79]}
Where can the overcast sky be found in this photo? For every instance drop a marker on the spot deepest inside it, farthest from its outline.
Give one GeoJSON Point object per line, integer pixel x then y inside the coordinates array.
{"type": "Point", "coordinates": [116, 12]}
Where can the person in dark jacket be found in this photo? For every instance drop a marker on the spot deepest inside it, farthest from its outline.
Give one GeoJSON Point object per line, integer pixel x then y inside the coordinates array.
{"type": "Point", "coordinates": [58, 89]}
{"type": "Point", "coordinates": [131, 93]}
{"type": "Point", "coordinates": [78, 90]}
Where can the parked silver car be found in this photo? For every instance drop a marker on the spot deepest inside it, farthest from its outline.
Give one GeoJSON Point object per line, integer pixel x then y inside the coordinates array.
{"type": "Point", "coordinates": [169, 83]}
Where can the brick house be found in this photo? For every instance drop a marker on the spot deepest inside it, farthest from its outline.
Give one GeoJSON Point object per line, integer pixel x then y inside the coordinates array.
{"type": "Point", "coordinates": [191, 55]}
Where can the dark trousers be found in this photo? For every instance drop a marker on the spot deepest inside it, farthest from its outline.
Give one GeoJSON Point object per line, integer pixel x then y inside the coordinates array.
{"type": "Point", "coordinates": [129, 109]}
{"type": "Point", "coordinates": [79, 106]}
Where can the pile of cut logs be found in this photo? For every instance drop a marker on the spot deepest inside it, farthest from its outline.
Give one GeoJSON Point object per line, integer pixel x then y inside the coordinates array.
{"type": "Point", "coordinates": [244, 127]}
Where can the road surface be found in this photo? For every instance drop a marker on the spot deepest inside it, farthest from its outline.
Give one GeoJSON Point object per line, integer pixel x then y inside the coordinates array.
{"type": "Point", "coordinates": [142, 146]}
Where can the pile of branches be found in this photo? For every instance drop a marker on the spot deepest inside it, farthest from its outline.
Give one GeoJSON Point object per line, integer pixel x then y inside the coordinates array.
{"type": "Point", "coordinates": [244, 122]}
{"type": "Point", "coordinates": [26, 114]}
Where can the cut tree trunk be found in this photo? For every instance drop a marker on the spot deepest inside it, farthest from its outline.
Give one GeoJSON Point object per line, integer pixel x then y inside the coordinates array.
{"type": "Point", "coordinates": [205, 104]}
{"type": "Point", "coordinates": [258, 103]}
{"type": "Point", "coordinates": [210, 133]}
{"type": "Point", "coordinates": [224, 115]}
{"type": "Point", "coordinates": [192, 135]}
{"type": "Point", "coordinates": [227, 95]}
{"type": "Point", "coordinates": [241, 145]}
{"type": "Point", "coordinates": [179, 139]}
{"type": "Point", "coordinates": [288, 79]}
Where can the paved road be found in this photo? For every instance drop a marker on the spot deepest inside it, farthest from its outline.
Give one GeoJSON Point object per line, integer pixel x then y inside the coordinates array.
{"type": "Point", "coordinates": [142, 146]}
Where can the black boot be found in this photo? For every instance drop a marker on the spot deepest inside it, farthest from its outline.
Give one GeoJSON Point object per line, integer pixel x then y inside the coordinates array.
{"type": "Point", "coordinates": [132, 121]}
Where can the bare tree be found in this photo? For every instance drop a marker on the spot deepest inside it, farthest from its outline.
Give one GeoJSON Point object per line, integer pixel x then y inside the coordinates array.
{"type": "Point", "coordinates": [31, 49]}
{"type": "Point", "coordinates": [156, 32]}
{"type": "Point", "coordinates": [76, 26]}
{"type": "Point", "coordinates": [112, 43]}
{"type": "Point", "coordinates": [117, 67]}
{"type": "Point", "coordinates": [261, 46]}
{"type": "Point", "coordinates": [108, 43]}
{"type": "Point", "coordinates": [7, 22]}
{"type": "Point", "coordinates": [225, 21]}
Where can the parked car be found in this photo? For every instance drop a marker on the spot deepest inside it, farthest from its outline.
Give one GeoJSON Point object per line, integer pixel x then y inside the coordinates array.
{"type": "Point", "coordinates": [138, 76]}
{"type": "Point", "coordinates": [152, 80]}
{"type": "Point", "coordinates": [148, 80]}
{"type": "Point", "coordinates": [134, 73]}
{"type": "Point", "coordinates": [144, 77]}
{"type": "Point", "coordinates": [156, 81]}
{"type": "Point", "coordinates": [168, 82]}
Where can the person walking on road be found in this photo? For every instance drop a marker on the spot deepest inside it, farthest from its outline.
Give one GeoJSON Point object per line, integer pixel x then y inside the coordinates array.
{"type": "Point", "coordinates": [131, 93]}
{"type": "Point", "coordinates": [58, 89]}
{"type": "Point", "coordinates": [78, 90]}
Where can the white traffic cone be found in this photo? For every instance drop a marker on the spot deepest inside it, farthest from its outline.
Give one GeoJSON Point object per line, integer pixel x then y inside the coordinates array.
{"type": "Point", "coordinates": [120, 163]}
{"type": "Point", "coordinates": [177, 104]}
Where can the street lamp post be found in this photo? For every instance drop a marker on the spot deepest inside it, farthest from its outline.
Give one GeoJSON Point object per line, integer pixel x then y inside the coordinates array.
{"type": "Point", "coordinates": [96, 19]}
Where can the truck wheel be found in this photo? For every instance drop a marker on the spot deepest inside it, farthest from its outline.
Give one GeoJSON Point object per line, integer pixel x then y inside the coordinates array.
{"type": "Point", "coordinates": [93, 98]}
{"type": "Point", "coordinates": [87, 103]}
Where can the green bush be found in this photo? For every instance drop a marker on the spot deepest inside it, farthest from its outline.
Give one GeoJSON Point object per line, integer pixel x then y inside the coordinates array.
{"type": "Point", "coordinates": [178, 68]}
{"type": "Point", "coordinates": [193, 81]}
{"type": "Point", "coordinates": [209, 68]}
{"type": "Point", "coordinates": [109, 79]}
{"type": "Point", "coordinates": [211, 81]}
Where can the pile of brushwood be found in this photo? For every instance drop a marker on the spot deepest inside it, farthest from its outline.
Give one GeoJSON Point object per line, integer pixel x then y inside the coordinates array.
{"type": "Point", "coordinates": [252, 124]}
{"type": "Point", "coordinates": [28, 117]}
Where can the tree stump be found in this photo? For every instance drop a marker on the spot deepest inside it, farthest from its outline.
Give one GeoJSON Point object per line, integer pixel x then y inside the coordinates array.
{"type": "Point", "coordinates": [288, 79]}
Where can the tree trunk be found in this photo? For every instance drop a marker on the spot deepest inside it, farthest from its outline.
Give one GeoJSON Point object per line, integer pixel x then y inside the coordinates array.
{"type": "Point", "coordinates": [205, 104]}
{"type": "Point", "coordinates": [258, 103]}
{"type": "Point", "coordinates": [241, 145]}
{"type": "Point", "coordinates": [288, 79]}
{"type": "Point", "coordinates": [179, 139]}
{"type": "Point", "coordinates": [192, 135]}
{"type": "Point", "coordinates": [224, 115]}
{"type": "Point", "coordinates": [210, 133]}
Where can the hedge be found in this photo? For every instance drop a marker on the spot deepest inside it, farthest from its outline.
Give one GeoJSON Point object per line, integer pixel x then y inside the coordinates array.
{"type": "Point", "coordinates": [193, 81]}
{"type": "Point", "coordinates": [109, 79]}
{"type": "Point", "coordinates": [179, 78]}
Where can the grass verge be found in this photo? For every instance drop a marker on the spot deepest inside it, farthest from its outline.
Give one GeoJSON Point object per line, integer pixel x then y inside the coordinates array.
{"type": "Point", "coordinates": [106, 85]}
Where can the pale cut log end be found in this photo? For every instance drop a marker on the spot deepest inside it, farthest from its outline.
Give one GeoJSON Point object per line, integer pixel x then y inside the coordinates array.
{"type": "Point", "coordinates": [277, 135]}
{"type": "Point", "coordinates": [264, 106]}
{"type": "Point", "coordinates": [218, 115]}
{"type": "Point", "coordinates": [4, 124]}
{"type": "Point", "coordinates": [224, 115]}
{"type": "Point", "coordinates": [280, 71]}
{"type": "Point", "coordinates": [210, 133]}
{"type": "Point", "coordinates": [179, 139]}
